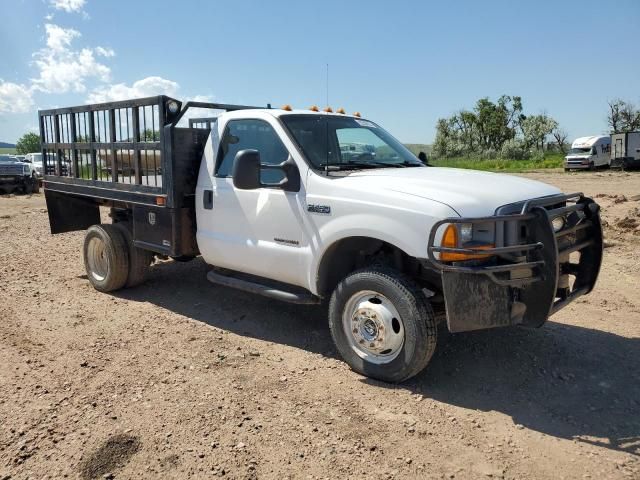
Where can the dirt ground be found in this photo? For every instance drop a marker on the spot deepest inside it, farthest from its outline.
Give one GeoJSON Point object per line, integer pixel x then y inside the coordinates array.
{"type": "Point", "coordinates": [179, 378]}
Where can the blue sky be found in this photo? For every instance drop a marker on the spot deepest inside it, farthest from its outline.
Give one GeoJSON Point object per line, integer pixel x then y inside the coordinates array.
{"type": "Point", "coordinates": [401, 63]}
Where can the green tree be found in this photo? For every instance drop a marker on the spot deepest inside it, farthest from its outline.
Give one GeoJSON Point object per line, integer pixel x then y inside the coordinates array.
{"type": "Point", "coordinates": [150, 135]}
{"type": "Point", "coordinates": [536, 129]}
{"type": "Point", "coordinates": [623, 116]}
{"type": "Point", "coordinates": [28, 143]}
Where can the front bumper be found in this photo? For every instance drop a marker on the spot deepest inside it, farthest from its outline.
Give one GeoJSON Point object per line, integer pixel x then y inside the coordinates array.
{"type": "Point", "coordinates": [526, 280]}
{"type": "Point", "coordinates": [14, 179]}
{"type": "Point", "coordinates": [577, 163]}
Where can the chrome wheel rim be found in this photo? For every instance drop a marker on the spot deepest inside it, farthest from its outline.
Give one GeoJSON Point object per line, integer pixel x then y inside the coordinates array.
{"type": "Point", "coordinates": [97, 259]}
{"type": "Point", "coordinates": [373, 327]}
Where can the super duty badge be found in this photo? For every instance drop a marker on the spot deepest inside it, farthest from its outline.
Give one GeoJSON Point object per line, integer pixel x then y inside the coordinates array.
{"type": "Point", "coordinates": [323, 209]}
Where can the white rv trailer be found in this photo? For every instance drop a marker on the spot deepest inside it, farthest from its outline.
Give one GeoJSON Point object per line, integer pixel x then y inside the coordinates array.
{"type": "Point", "coordinates": [625, 150]}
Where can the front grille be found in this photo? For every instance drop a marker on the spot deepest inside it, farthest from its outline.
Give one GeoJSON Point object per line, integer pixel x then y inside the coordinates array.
{"type": "Point", "coordinates": [13, 170]}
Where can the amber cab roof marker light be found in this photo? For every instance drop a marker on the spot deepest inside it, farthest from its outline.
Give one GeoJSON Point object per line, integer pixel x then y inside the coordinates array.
{"type": "Point", "coordinates": [287, 107]}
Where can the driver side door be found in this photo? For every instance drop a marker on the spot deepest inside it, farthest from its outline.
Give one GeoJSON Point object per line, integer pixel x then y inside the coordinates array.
{"type": "Point", "coordinates": [256, 231]}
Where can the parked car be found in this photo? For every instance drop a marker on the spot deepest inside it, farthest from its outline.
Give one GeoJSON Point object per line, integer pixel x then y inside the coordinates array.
{"type": "Point", "coordinates": [15, 175]}
{"type": "Point", "coordinates": [275, 208]}
{"type": "Point", "coordinates": [35, 159]}
{"type": "Point", "coordinates": [588, 153]}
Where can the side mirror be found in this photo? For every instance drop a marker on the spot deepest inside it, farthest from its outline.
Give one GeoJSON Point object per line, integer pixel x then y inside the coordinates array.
{"type": "Point", "coordinates": [246, 172]}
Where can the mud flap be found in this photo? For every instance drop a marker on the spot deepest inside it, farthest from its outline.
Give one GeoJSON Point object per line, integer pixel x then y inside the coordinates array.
{"type": "Point", "coordinates": [475, 302]}
{"type": "Point", "coordinates": [68, 213]}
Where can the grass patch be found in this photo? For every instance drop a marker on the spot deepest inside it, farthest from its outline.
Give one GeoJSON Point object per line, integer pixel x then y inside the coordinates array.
{"type": "Point", "coordinates": [501, 165]}
{"type": "Point", "coordinates": [7, 151]}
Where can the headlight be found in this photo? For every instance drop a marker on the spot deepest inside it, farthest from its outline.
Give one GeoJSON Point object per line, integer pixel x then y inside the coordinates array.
{"type": "Point", "coordinates": [461, 236]}
{"type": "Point", "coordinates": [26, 169]}
{"type": "Point", "coordinates": [466, 232]}
{"type": "Point", "coordinates": [558, 223]}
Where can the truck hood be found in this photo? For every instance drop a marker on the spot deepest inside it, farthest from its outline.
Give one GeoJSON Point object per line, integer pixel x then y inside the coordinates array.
{"type": "Point", "coordinates": [470, 193]}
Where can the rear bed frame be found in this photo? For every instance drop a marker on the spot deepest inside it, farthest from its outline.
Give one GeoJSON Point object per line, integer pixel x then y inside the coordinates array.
{"type": "Point", "coordinates": [131, 156]}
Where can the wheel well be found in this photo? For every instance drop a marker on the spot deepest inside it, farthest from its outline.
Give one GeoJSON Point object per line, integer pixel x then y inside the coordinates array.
{"type": "Point", "coordinates": [349, 254]}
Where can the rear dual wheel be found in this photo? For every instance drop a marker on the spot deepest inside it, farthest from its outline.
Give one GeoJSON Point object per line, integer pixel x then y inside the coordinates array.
{"type": "Point", "coordinates": [111, 260]}
{"type": "Point", "coordinates": [382, 324]}
{"type": "Point", "coordinates": [106, 257]}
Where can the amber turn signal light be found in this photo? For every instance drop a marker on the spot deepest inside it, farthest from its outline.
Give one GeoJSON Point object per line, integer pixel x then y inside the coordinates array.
{"type": "Point", "coordinates": [450, 240]}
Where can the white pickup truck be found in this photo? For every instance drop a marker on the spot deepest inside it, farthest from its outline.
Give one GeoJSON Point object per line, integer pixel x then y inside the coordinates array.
{"type": "Point", "coordinates": [269, 200]}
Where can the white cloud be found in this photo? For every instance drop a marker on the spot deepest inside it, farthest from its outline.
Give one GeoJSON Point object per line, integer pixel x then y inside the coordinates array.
{"type": "Point", "coordinates": [147, 87]}
{"type": "Point", "coordinates": [63, 69]}
{"type": "Point", "coordinates": [68, 5]}
{"type": "Point", "coordinates": [14, 98]}
{"type": "Point", "coordinates": [105, 52]}
{"type": "Point", "coordinates": [200, 112]}
{"type": "Point", "coordinates": [59, 39]}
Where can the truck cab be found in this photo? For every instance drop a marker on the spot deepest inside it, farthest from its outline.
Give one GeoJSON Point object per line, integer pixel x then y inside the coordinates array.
{"type": "Point", "coordinates": [588, 153]}
{"type": "Point", "coordinates": [278, 203]}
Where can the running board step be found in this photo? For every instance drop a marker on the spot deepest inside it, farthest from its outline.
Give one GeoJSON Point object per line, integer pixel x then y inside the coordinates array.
{"type": "Point", "coordinates": [300, 297]}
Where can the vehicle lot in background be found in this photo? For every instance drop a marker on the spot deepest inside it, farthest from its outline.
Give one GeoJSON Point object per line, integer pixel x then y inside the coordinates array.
{"type": "Point", "coordinates": [17, 176]}
{"type": "Point", "coordinates": [201, 379]}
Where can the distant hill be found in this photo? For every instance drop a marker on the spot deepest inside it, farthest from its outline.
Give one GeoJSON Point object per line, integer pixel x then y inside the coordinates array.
{"type": "Point", "coordinates": [7, 145]}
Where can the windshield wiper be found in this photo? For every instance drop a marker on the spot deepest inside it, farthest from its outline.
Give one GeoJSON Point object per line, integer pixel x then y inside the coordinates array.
{"type": "Point", "coordinates": [363, 165]}
{"type": "Point", "coordinates": [351, 165]}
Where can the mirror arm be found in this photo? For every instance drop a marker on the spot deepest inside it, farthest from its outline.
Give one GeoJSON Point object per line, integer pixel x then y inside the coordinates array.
{"type": "Point", "coordinates": [285, 167]}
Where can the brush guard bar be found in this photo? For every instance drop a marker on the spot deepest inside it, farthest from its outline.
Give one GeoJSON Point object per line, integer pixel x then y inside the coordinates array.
{"type": "Point", "coordinates": [526, 282]}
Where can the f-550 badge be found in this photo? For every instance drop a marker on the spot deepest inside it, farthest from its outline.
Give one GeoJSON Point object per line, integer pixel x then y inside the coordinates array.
{"type": "Point", "coordinates": [322, 209]}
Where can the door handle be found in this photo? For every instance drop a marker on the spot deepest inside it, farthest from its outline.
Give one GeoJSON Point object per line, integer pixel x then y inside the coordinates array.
{"type": "Point", "coordinates": [207, 199]}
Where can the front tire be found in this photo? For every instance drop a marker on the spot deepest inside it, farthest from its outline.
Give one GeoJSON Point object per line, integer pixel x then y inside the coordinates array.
{"type": "Point", "coordinates": [382, 324]}
{"type": "Point", "coordinates": [106, 257]}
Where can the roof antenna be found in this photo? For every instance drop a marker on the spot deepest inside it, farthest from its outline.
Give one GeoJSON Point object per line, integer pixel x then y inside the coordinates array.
{"type": "Point", "coordinates": [326, 163]}
{"type": "Point", "coordinates": [327, 85]}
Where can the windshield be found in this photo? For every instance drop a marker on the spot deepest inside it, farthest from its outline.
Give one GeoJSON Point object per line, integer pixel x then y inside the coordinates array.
{"type": "Point", "coordinates": [580, 151]}
{"type": "Point", "coordinates": [347, 143]}
{"type": "Point", "coordinates": [6, 159]}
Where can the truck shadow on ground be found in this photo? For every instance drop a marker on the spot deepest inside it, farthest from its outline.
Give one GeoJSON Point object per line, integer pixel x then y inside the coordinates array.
{"type": "Point", "coordinates": [561, 380]}
{"type": "Point", "coordinates": [183, 288]}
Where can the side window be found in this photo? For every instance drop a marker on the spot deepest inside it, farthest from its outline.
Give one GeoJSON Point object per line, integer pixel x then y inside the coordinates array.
{"type": "Point", "coordinates": [256, 135]}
